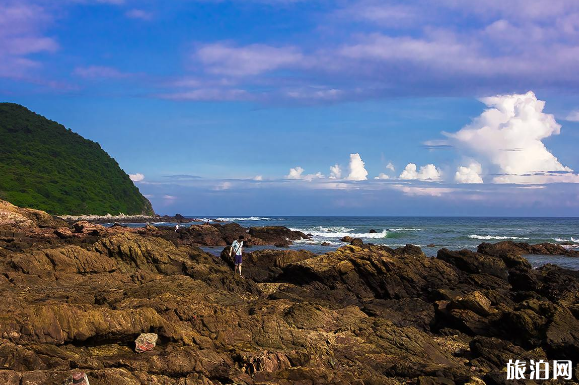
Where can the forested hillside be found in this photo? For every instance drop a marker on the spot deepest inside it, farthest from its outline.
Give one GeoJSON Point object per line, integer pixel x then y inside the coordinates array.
{"type": "Point", "coordinates": [46, 166]}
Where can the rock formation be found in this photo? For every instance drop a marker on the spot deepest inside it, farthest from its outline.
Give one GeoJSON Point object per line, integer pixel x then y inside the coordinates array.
{"type": "Point", "coordinates": [362, 314]}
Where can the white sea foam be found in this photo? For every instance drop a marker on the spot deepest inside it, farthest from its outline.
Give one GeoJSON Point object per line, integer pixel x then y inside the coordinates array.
{"type": "Point", "coordinates": [404, 229]}
{"type": "Point", "coordinates": [489, 237]}
{"type": "Point", "coordinates": [324, 229]}
{"type": "Point", "coordinates": [318, 242]}
{"type": "Point", "coordinates": [340, 232]}
{"type": "Point", "coordinates": [566, 240]}
{"type": "Point", "coordinates": [237, 219]}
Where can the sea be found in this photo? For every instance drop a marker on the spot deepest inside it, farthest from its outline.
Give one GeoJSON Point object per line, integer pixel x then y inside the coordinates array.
{"type": "Point", "coordinates": [429, 233]}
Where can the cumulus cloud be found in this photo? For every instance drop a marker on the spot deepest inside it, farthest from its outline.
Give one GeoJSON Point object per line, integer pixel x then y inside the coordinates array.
{"type": "Point", "coordinates": [509, 134]}
{"type": "Point", "coordinates": [252, 59]}
{"type": "Point", "coordinates": [470, 174]}
{"type": "Point", "coordinates": [297, 173]}
{"type": "Point", "coordinates": [382, 176]}
{"type": "Point", "coordinates": [335, 172]}
{"type": "Point", "coordinates": [310, 177]}
{"type": "Point", "coordinates": [357, 169]}
{"type": "Point", "coordinates": [427, 173]}
{"type": "Point", "coordinates": [136, 177]}
{"type": "Point", "coordinates": [258, 178]}
{"type": "Point", "coordinates": [390, 167]}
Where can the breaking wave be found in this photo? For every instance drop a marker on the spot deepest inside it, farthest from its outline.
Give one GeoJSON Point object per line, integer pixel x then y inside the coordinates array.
{"type": "Point", "coordinates": [489, 237]}
{"type": "Point", "coordinates": [238, 219]}
{"type": "Point", "coordinates": [340, 232]}
{"type": "Point", "coordinates": [404, 229]}
{"type": "Point", "coordinates": [567, 240]}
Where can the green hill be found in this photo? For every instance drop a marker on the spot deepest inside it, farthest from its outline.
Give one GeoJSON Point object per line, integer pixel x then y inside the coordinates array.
{"type": "Point", "coordinates": [45, 166]}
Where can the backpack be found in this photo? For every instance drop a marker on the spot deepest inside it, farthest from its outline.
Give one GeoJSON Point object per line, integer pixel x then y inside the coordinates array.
{"type": "Point", "coordinates": [236, 246]}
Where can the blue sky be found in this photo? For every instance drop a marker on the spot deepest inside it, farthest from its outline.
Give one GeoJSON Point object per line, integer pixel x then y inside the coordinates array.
{"type": "Point", "coordinates": [242, 107]}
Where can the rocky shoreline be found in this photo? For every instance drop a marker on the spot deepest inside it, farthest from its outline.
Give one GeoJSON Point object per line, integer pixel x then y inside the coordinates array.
{"type": "Point", "coordinates": [122, 218]}
{"type": "Point", "coordinates": [76, 297]}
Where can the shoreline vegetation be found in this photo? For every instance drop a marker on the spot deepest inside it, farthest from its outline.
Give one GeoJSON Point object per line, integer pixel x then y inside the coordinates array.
{"type": "Point", "coordinates": [77, 296]}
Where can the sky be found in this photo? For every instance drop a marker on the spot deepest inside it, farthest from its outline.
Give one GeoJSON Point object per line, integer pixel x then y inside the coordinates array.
{"type": "Point", "coordinates": [295, 107]}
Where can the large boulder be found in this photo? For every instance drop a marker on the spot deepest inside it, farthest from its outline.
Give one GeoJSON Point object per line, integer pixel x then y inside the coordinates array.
{"type": "Point", "coordinates": [375, 272]}
{"type": "Point", "coordinates": [207, 235]}
{"type": "Point", "coordinates": [471, 262]}
{"type": "Point", "coordinates": [267, 265]}
{"type": "Point", "coordinates": [276, 234]}
{"type": "Point", "coordinates": [512, 252]}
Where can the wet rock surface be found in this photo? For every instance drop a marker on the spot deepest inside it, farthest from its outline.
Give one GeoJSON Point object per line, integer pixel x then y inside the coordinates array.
{"type": "Point", "coordinates": [363, 314]}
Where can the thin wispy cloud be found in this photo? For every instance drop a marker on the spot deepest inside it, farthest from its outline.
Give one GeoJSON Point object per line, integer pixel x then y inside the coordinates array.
{"type": "Point", "coordinates": [253, 59]}
{"type": "Point", "coordinates": [139, 14]}
{"type": "Point", "coordinates": [22, 34]}
{"type": "Point", "coordinates": [573, 116]}
{"type": "Point", "coordinates": [100, 72]}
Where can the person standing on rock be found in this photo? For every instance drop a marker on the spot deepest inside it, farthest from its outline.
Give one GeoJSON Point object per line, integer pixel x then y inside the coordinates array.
{"type": "Point", "coordinates": [237, 249]}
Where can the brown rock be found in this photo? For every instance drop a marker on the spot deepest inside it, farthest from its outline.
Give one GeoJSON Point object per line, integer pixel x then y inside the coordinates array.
{"type": "Point", "coordinates": [276, 234]}
{"type": "Point", "coordinates": [477, 302]}
{"type": "Point", "coordinates": [17, 217]}
{"type": "Point", "coordinates": [84, 227]}
{"type": "Point", "coordinates": [357, 242]}
{"type": "Point", "coordinates": [63, 232]}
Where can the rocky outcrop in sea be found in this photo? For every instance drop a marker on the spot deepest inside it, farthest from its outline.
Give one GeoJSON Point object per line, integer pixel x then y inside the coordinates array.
{"type": "Point", "coordinates": [75, 299]}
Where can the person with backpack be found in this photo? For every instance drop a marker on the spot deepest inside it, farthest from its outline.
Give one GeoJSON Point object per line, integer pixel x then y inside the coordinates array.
{"type": "Point", "coordinates": [237, 248]}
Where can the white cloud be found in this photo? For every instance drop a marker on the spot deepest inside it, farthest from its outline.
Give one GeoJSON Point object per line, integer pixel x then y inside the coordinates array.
{"type": "Point", "coordinates": [335, 172]}
{"type": "Point", "coordinates": [426, 173]}
{"type": "Point", "coordinates": [382, 176]}
{"type": "Point", "coordinates": [470, 174]}
{"type": "Point", "coordinates": [390, 167]}
{"type": "Point", "coordinates": [311, 177]}
{"type": "Point", "coordinates": [99, 72]}
{"type": "Point", "coordinates": [139, 14]}
{"type": "Point", "coordinates": [315, 94]}
{"type": "Point", "coordinates": [423, 191]}
{"type": "Point", "coordinates": [136, 177]}
{"type": "Point", "coordinates": [252, 59]}
{"type": "Point", "coordinates": [21, 34]}
{"type": "Point", "coordinates": [509, 134]}
{"type": "Point", "coordinates": [295, 173]}
{"type": "Point", "coordinates": [573, 116]}
{"type": "Point", "coordinates": [223, 186]}
{"type": "Point", "coordinates": [258, 178]}
{"type": "Point", "coordinates": [357, 169]}
{"type": "Point", "coordinates": [208, 94]}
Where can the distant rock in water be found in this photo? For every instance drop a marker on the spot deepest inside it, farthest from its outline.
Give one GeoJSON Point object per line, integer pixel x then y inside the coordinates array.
{"type": "Point", "coordinates": [45, 166]}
